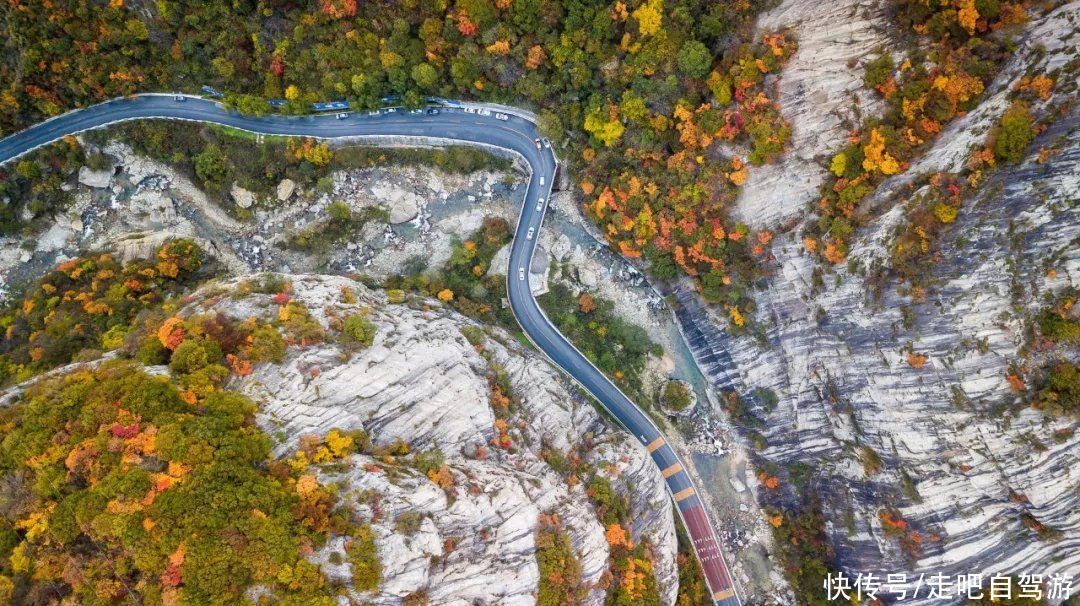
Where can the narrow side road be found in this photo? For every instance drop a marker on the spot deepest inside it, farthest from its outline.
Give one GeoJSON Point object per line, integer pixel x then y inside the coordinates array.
{"type": "Point", "coordinates": [461, 124]}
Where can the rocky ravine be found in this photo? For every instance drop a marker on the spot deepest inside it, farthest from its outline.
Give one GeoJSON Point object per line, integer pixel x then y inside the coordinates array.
{"type": "Point", "coordinates": [836, 360]}
{"type": "Point", "coordinates": [423, 382]}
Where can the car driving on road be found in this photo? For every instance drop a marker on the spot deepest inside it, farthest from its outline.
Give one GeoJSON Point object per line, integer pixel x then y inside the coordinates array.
{"type": "Point", "coordinates": [540, 204]}
{"type": "Point", "coordinates": [528, 236]}
{"type": "Point", "coordinates": [521, 273]}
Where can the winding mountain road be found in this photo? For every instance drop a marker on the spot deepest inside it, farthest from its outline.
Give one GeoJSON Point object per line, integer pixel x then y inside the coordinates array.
{"type": "Point", "coordinates": [458, 124]}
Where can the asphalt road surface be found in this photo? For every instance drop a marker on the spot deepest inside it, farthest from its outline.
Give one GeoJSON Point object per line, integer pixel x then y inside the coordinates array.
{"type": "Point", "coordinates": [462, 125]}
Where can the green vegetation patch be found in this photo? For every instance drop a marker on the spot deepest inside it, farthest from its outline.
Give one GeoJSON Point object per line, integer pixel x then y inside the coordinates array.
{"type": "Point", "coordinates": [1057, 322]}
{"type": "Point", "coordinates": [617, 347]}
{"type": "Point", "coordinates": [677, 396]}
{"type": "Point", "coordinates": [89, 304]}
{"type": "Point", "coordinates": [560, 570]}
{"type": "Point", "coordinates": [120, 490]}
{"type": "Point", "coordinates": [804, 551]}
{"type": "Point", "coordinates": [322, 237]}
{"type": "Point", "coordinates": [463, 282]}
{"type": "Point", "coordinates": [1058, 388]}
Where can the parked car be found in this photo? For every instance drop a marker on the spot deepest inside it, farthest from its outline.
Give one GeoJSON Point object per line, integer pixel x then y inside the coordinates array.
{"type": "Point", "coordinates": [503, 117]}
{"type": "Point", "coordinates": [521, 273]}
{"type": "Point", "coordinates": [485, 112]}
{"type": "Point", "coordinates": [432, 111]}
{"type": "Point", "coordinates": [470, 110]}
{"type": "Point", "coordinates": [547, 143]}
{"type": "Point", "coordinates": [343, 115]}
{"type": "Point", "coordinates": [180, 98]}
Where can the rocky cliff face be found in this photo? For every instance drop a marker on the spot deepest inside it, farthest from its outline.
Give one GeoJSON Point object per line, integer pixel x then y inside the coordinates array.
{"type": "Point", "coordinates": [966, 468]}
{"type": "Point", "coordinates": [424, 383]}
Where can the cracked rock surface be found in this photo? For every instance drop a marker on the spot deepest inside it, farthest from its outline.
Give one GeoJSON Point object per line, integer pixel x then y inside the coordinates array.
{"type": "Point", "coordinates": [421, 381]}
{"type": "Point", "coordinates": [963, 463]}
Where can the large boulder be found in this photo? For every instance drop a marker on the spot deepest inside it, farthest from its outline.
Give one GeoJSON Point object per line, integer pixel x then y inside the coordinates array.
{"type": "Point", "coordinates": [404, 204]}
{"type": "Point", "coordinates": [286, 189]}
{"type": "Point", "coordinates": [242, 197]}
{"type": "Point", "coordinates": [422, 381]}
{"type": "Point", "coordinates": [94, 178]}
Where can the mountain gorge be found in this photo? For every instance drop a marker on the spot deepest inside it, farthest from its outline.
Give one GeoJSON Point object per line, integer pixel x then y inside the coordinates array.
{"type": "Point", "coordinates": [927, 451]}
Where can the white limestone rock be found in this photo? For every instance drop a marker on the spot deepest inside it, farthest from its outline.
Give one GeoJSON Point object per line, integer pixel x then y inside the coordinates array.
{"type": "Point", "coordinates": [404, 204]}
{"type": "Point", "coordinates": [243, 198]}
{"type": "Point", "coordinates": [285, 190]}
{"type": "Point", "coordinates": [840, 375]}
{"type": "Point", "coordinates": [94, 178]}
{"type": "Point", "coordinates": [421, 381]}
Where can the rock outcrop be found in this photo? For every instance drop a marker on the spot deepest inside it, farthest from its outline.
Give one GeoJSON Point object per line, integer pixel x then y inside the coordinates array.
{"type": "Point", "coordinates": [94, 178]}
{"type": "Point", "coordinates": [969, 470]}
{"type": "Point", "coordinates": [285, 189]}
{"type": "Point", "coordinates": [244, 198]}
{"type": "Point", "coordinates": [423, 382]}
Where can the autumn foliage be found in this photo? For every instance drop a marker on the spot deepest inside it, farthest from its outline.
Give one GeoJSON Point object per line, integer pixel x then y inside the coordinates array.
{"type": "Point", "coordinates": [560, 570]}
{"type": "Point", "coordinates": [339, 9]}
{"type": "Point", "coordinates": [89, 304]}
{"type": "Point", "coordinates": [672, 207]}
{"type": "Point", "coordinates": [125, 492]}
{"type": "Point", "coordinates": [923, 93]}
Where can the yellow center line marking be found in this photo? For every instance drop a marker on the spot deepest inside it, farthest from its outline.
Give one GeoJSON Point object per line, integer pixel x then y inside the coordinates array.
{"type": "Point", "coordinates": [657, 443]}
{"type": "Point", "coordinates": [684, 494]}
{"type": "Point", "coordinates": [670, 471]}
{"type": "Point", "coordinates": [723, 595]}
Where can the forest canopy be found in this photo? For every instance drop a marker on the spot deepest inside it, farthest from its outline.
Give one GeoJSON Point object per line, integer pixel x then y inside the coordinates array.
{"type": "Point", "coordinates": [659, 105]}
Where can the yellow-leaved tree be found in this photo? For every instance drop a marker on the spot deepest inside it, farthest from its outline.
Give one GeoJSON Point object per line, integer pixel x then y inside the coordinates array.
{"type": "Point", "coordinates": [650, 16]}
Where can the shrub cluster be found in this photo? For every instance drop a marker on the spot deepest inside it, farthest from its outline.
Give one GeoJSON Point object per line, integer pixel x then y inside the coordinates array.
{"type": "Point", "coordinates": [121, 490]}
{"type": "Point", "coordinates": [87, 305]}
{"type": "Point", "coordinates": [923, 93]}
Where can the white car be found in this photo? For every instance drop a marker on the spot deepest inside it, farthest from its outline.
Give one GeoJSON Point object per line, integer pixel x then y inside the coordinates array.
{"type": "Point", "coordinates": [537, 142]}
{"type": "Point", "coordinates": [547, 143]}
{"type": "Point", "coordinates": [179, 98]}
{"type": "Point", "coordinates": [521, 273]}
{"type": "Point", "coordinates": [390, 110]}
{"type": "Point", "coordinates": [343, 115]}
{"type": "Point", "coordinates": [540, 205]}
{"type": "Point", "coordinates": [485, 112]}
{"type": "Point", "coordinates": [470, 110]}
{"type": "Point", "coordinates": [528, 236]}
{"type": "Point", "coordinates": [541, 180]}
{"type": "Point", "coordinates": [503, 117]}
